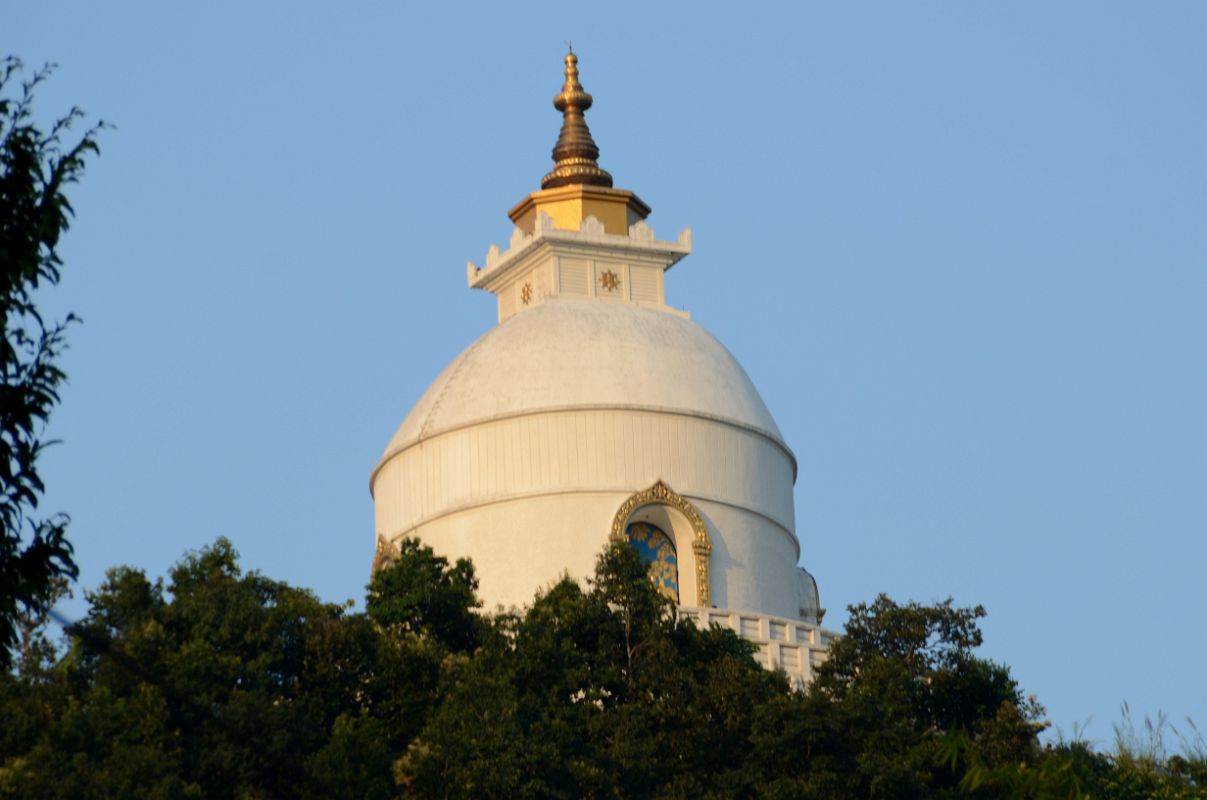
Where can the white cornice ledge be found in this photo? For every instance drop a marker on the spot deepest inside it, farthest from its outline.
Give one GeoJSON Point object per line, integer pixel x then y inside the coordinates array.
{"type": "Point", "coordinates": [639, 240]}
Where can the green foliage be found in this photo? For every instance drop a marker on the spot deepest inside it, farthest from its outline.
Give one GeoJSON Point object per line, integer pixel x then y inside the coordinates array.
{"type": "Point", "coordinates": [420, 593]}
{"type": "Point", "coordinates": [599, 692]}
{"type": "Point", "coordinates": [35, 169]}
{"type": "Point", "coordinates": [873, 722]}
{"type": "Point", "coordinates": [1140, 767]}
{"type": "Point", "coordinates": [1053, 776]}
{"type": "Point", "coordinates": [221, 683]}
{"type": "Point", "coordinates": [355, 763]}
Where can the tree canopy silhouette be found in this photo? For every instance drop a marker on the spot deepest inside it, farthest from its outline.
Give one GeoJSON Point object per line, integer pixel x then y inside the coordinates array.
{"type": "Point", "coordinates": [217, 682]}
{"type": "Point", "coordinates": [36, 167]}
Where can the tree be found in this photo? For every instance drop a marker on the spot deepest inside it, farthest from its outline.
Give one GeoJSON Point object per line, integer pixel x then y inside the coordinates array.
{"type": "Point", "coordinates": [874, 722]}
{"type": "Point", "coordinates": [218, 682]}
{"type": "Point", "coordinates": [35, 169]}
{"type": "Point", "coordinates": [595, 692]}
{"type": "Point", "coordinates": [420, 592]}
{"type": "Point", "coordinates": [1140, 766]}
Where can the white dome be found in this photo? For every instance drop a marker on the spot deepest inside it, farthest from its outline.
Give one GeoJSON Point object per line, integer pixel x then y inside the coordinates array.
{"type": "Point", "coordinates": [580, 354]}
{"type": "Point", "coordinates": [526, 447]}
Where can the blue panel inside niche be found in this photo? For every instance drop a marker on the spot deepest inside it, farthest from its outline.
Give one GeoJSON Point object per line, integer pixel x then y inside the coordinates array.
{"type": "Point", "coordinates": [658, 553]}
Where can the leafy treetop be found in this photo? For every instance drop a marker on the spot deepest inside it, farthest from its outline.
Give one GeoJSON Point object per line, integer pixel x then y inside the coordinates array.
{"type": "Point", "coordinates": [36, 166]}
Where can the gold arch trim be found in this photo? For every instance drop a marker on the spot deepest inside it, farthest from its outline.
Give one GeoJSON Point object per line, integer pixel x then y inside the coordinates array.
{"type": "Point", "coordinates": [661, 494]}
{"type": "Point", "coordinates": [385, 554]}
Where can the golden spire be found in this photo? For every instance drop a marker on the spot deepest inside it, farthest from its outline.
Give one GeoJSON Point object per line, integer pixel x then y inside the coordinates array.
{"type": "Point", "coordinates": [577, 189]}
{"type": "Point", "coordinates": [575, 154]}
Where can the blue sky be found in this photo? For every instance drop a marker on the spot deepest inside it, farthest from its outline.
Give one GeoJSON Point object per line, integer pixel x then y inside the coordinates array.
{"type": "Point", "coordinates": [961, 248]}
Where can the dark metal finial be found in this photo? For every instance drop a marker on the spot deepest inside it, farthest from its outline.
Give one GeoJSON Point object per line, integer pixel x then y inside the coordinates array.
{"type": "Point", "coordinates": [575, 155]}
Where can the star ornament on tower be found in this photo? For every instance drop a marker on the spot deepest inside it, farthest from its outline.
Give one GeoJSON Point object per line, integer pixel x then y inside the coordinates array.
{"type": "Point", "coordinates": [609, 280]}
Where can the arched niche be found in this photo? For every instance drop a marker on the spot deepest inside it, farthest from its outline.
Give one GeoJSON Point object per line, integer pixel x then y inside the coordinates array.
{"type": "Point", "coordinates": [662, 506]}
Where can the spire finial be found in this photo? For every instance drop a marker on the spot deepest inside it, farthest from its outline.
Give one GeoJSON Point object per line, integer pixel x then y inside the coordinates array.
{"type": "Point", "coordinates": [575, 154]}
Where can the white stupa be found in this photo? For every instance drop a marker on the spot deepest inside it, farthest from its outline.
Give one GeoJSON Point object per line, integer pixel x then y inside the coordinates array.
{"type": "Point", "coordinates": [596, 411]}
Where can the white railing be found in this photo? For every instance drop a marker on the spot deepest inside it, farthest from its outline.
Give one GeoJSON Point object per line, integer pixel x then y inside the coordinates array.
{"type": "Point", "coordinates": [795, 646]}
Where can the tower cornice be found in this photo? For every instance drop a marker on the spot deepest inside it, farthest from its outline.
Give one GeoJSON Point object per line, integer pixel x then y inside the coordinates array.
{"type": "Point", "coordinates": [587, 263]}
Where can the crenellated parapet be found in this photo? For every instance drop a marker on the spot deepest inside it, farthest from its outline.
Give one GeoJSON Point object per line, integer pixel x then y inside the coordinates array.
{"type": "Point", "coordinates": [797, 647]}
{"type": "Point", "coordinates": [588, 263]}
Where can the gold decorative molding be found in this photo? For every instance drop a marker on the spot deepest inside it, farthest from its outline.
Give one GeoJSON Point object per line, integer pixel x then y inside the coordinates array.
{"type": "Point", "coordinates": [609, 280]}
{"type": "Point", "coordinates": [526, 294]}
{"type": "Point", "coordinates": [385, 555]}
{"type": "Point", "coordinates": [661, 494]}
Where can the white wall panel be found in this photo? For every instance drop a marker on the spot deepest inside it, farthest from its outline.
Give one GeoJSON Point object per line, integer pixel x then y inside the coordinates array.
{"type": "Point", "coordinates": [588, 449]}
{"type": "Point", "coordinates": [575, 276]}
{"type": "Point", "coordinates": [519, 545]}
{"type": "Point", "coordinates": [644, 283]}
{"type": "Point", "coordinates": [498, 491]}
